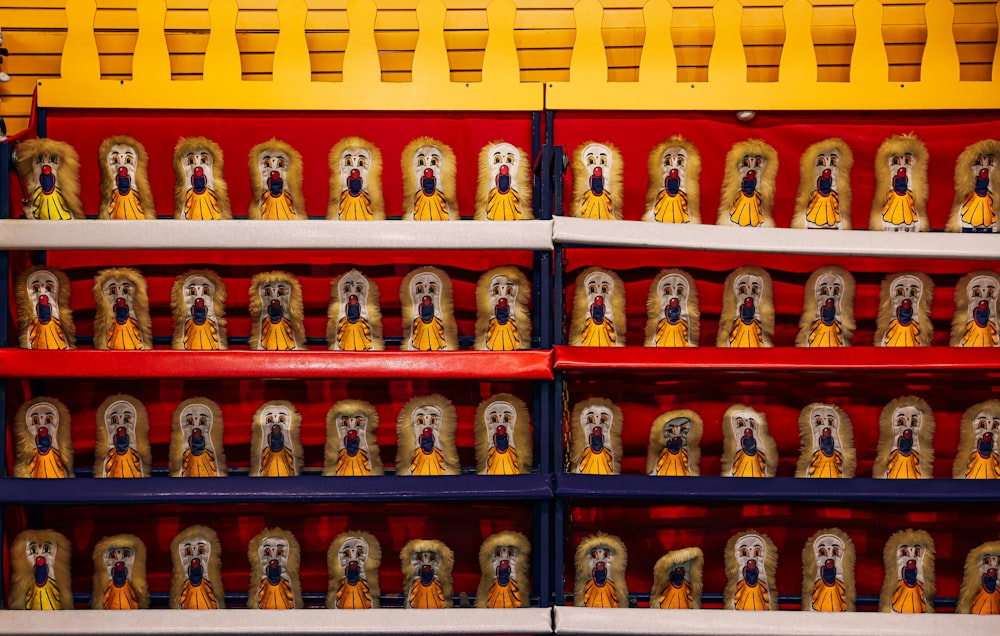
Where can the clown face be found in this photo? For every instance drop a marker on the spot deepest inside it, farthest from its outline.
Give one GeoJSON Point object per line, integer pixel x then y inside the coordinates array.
{"type": "Point", "coordinates": [828, 168]}
{"type": "Point", "coordinates": [274, 422]}
{"type": "Point", "coordinates": [910, 560]}
{"type": "Point", "coordinates": [426, 422]}
{"type": "Point", "coordinates": [502, 287]}
{"type": "Point", "coordinates": [901, 168]}
{"type": "Point", "coordinates": [500, 420]}
{"type": "Point", "coordinates": [352, 428]}
{"type": "Point", "coordinates": [272, 554]}
{"type": "Point", "coordinates": [119, 420]}
{"type": "Point", "coordinates": [504, 560]}
{"type": "Point", "coordinates": [982, 293]}
{"type": "Point", "coordinates": [750, 552]}
{"type": "Point", "coordinates": [597, 422]}
{"type": "Point", "coordinates": [42, 554]}
{"type": "Point", "coordinates": [984, 166]}
{"type": "Point", "coordinates": [46, 170]}
{"type": "Point", "coordinates": [599, 561]}
{"type": "Point", "coordinates": [427, 162]}
{"type": "Point", "coordinates": [273, 165]}
{"type": "Point", "coordinates": [596, 159]}
{"type": "Point", "coordinates": [119, 560]}
{"type": "Point", "coordinates": [504, 159]}
{"type": "Point", "coordinates": [199, 292]}
{"type": "Point", "coordinates": [989, 565]}
{"type": "Point", "coordinates": [986, 426]}
{"type": "Point", "coordinates": [42, 421]}
{"type": "Point", "coordinates": [425, 565]}
{"type": "Point", "coordinates": [825, 426]}
{"type": "Point", "coordinates": [122, 160]}
{"type": "Point", "coordinates": [353, 291]}
{"type": "Point", "coordinates": [673, 293]}
{"type": "Point", "coordinates": [195, 554]}
{"type": "Point", "coordinates": [675, 432]}
{"type": "Point", "coordinates": [120, 293]}
{"type": "Point", "coordinates": [828, 552]}
{"type": "Point", "coordinates": [196, 427]}
{"type": "Point", "coordinates": [275, 296]}
{"type": "Point", "coordinates": [43, 284]}
{"type": "Point", "coordinates": [829, 294]}
{"type": "Point", "coordinates": [355, 162]}
{"type": "Point", "coordinates": [748, 289]}
{"type": "Point", "coordinates": [353, 556]}
{"type": "Point", "coordinates": [673, 165]}
{"type": "Point", "coordinates": [197, 165]}
{"type": "Point", "coordinates": [425, 293]}
{"type": "Point", "coordinates": [903, 289]}
{"type": "Point", "coordinates": [906, 422]}
{"type": "Point", "coordinates": [600, 287]}
{"type": "Point", "coordinates": [746, 429]}
{"type": "Point", "coordinates": [750, 166]}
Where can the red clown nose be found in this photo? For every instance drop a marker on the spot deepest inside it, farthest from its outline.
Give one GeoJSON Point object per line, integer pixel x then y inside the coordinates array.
{"type": "Point", "coordinates": [426, 300]}
{"type": "Point", "coordinates": [748, 302]}
{"type": "Point", "coordinates": [984, 173]}
{"type": "Point", "coordinates": [908, 433]}
{"type": "Point", "coordinates": [599, 301]}
{"type": "Point", "coordinates": [828, 563]}
{"type": "Point", "coordinates": [199, 171]}
{"type": "Point", "coordinates": [428, 173]}
{"type": "Point", "coordinates": [827, 173]}
{"type": "Point", "coordinates": [120, 302]}
{"type": "Point", "coordinates": [355, 173]}
{"type": "Point", "coordinates": [275, 175]}
{"type": "Point", "coordinates": [674, 302]}
{"type": "Point", "coordinates": [121, 430]}
{"type": "Point", "coordinates": [751, 174]}
{"type": "Point", "coordinates": [427, 431]}
{"type": "Point", "coordinates": [502, 430]}
{"type": "Point", "coordinates": [123, 171]}
{"type": "Point", "coordinates": [44, 300]}
{"type": "Point", "coordinates": [907, 303]}
{"type": "Point", "coordinates": [199, 302]}
{"type": "Point", "coordinates": [504, 170]}
{"type": "Point", "coordinates": [598, 172]}
{"type": "Point", "coordinates": [352, 434]}
{"type": "Point", "coordinates": [46, 169]}
{"type": "Point", "coordinates": [901, 172]}
{"type": "Point", "coordinates": [502, 303]}
{"type": "Point", "coordinates": [39, 561]}
{"type": "Point", "coordinates": [196, 562]}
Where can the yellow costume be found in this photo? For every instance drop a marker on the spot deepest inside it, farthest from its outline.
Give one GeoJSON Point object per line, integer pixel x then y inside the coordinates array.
{"type": "Point", "coordinates": [357, 465]}
{"type": "Point", "coordinates": [598, 334]}
{"type": "Point", "coordinates": [671, 208]}
{"type": "Point", "coordinates": [824, 335]}
{"type": "Point", "coordinates": [824, 203]}
{"type": "Point", "coordinates": [277, 463]}
{"type": "Point", "coordinates": [899, 207]}
{"type": "Point", "coordinates": [671, 334]}
{"type": "Point", "coordinates": [502, 337]}
{"type": "Point", "coordinates": [428, 336]}
{"type": "Point", "coordinates": [676, 597]}
{"type": "Point", "coordinates": [431, 463]}
{"type": "Point", "coordinates": [979, 211]}
{"type": "Point", "coordinates": [354, 336]}
{"type": "Point", "coordinates": [673, 463]}
{"type": "Point", "coordinates": [276, 207]}
{"type": "Point", "coordinates": [983, 465]}
{"type": "Point", "coordinates": [203, 337]}
{"type": "Point", "coordinates": [50, 206]}
{"type": "Point", "coordinates": [429, 596]}
{"type": "Point", "coordinates": [829, 598]}
{"type": "Point", "coordinates": [355, 207]}
{"type": "Point", "coordinates": [747, 210]}
{"type": "Point", "coordinates": [123, 465]}
{"type": "Point", "coordinates": [826, 466]}
{"type": "Point", "coordinates": [980, 331]}
{"type": "Point", "coordinates": [276, 336]}
{"type": "Point", "coordinates": [354, 595]}
{"type": "Point", "coordinates": [909, 599]}
{"type": "Point", "coordinates": [202, 465]}
{"type": "Point", "coordinates": [903, 466]}
{"type": "Point", "coordinates": [502, 462]}
{"type": "Point", "coordinates": [125, 207]}
{"type": "Point", "coordinates": [120, 597]}
{"type": "Point", "coordinates": [987, 598]}
{"type": "Point", "coordinates": [502, 596]}
{"type": "Point", "coordinates": [603, 595]}
{"type": "Point", "coordinates": [503, 206]}
{"type": "Point", "coordinates": [200, 596]}
{"type": "Point", "coordinates": [751, 597]}
{"type": "Point", "coordinates": [899, 335]}
{"type": "Point", "coordinates": [201, 206]}
{"type": "Point", "coordinates": [47, 464]}
{"type": "Point", "coordinates": [125, 337]}
{"type": "Point", "coordinates": [746, 335]}
{"type": "Point", "coordinates": [596, 463]}
{"type": "Point", "coordinates": [429, 207]}
{"type": "Point", "coordinates": [596, 206]}
{"type": "Point", "coordinates": [43, 597]}
{"type": "Point", "coordinates": [46, 335]}
{"type": "Point", "coordinates": [275, 596]}
{"type": "Point", "coordinates": [749, 465]}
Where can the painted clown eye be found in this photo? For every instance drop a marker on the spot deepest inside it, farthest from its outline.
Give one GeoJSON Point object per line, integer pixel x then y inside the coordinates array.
{"type": "Point", "coordinates": [744, 552]}
{"type": "Point", "coordinates": [591, 160]}
{"type": "Point", "coordinates": [126, 288]}
{"type": "Point", "coordinates": [908, 159]}
{"type": "Point", "coordinates": [836, 551]}
{"type": "Point", "coordinates": [680, 160]}
{"type": "Point", "coordinates": [605, 288]}
{"type": "Point", "coordinates": [201, 550]}
{"type": "Point", "coordinates": [115, 159]}
{"type": "Point", "coordinates": [189, 420]}
{"type": "Point", "coordinates": [359, 288]}
{"type": "Point", "coordinates": [755, 289]}
{"type": "Point", "coordinates": [347, 161]}
{"type": "Point", "coordinates": [916, 551]}
{"type": "Point", "coordinates": [267, 551]}
{"type": "Point", "coordinates": [913, 292]}
{"type": "Point", "coordinates": [35, 420]}
{"type": "Point", "coordinates": [900, 421]}
{"type": "Point", "coordinates": [361, 162]}
{"type": "Point", "coordinates": [497, 159]}
{"type": "Point", "coordinates": [281, 163]}
{"type": "Point", "coordinates": [743, 288]}
{"type": "Point", "coordinates": [590, 419]}
{"type": "Point", "coordinates": [432, 288]}
{"type": "Point", "coordinates": [756, 552]}
{"type": "Point", "coordinates": [506, 418]}
{"type": "Point", "coordinates": [494, 418]}
{"type": "Point", "coordinates": [604, 160]}
{"type": "Point", "coordinates": [900, 291]}
{"type": "Point", "coordinates": [820, 161]}
{"type": "Point", "coordinates": [36, 288]}
{"type": "Point", "coordinates": [680, 290]}
{"type": "Point", "coordinates": [836, 290]}
{"type": "Point", "coordinates": [824, 290]}
{"type": "Point", "coordinates": [188, 551]}
{"type": "Point", "coordinates": [421, 161]}
{"type": "Point", "coordinates": [591, 288]}
{"type": "Point", "coordinates": [833, 160]}
{"type": "Point", "coordinates": [190, 160]}
{"type": "Point", "coordinates": [894, 160]}
{"type": "Point", "coordinates": [822, 551]}
{"type": "Point", "coordinates": [129, 160]}
{"type": "Point", "coordinates": [746, 162]}
{"type": "Point", "coordinates": [977, 293]}
{"type": "Point", "coordinates": [434, 160]}
{"type": "Point", "coordinates": [818, 421]}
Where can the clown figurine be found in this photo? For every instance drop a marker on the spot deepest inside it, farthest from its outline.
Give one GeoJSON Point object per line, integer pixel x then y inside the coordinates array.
{"type": "Point", "coordinates": [503, 318]}
{"type": "Point", "coordinates": [598, 318]}
{"type": "Point", "coordinates": [979, 592]}
{"type": "Point", "coordinates": [828, 309]}
{"type": "Point", "coordinates": [353, 560]}
{"type": "Point", "coordinates": [274, 571]}
{"type": "Point", "coordinates": [827, 440]}
{"type": "Point", "coordinates": [747, 318]}
{"type": "Point", "coordinates": [124, 180]}
{"type": "Point", "coordinates": [673, 196]}
{"type": "Point", "coordinates": [673, 445]}
{"type": "Point", "coordinates": [900, 201]}
{"type": "Point", "coordinates": [596, 443]}
{"type": "Point", "coordinates": [429, 171]}
{"type": "Point", "coordinates": [427, 582]}
{"type": "Point", "coordinates": [597, 181]}
{"type": "Point", "coordinates": [904, 315]}
{"type": "Point", "coordinates": [828, 572]}
{"type": "Point", "coordinates": [601, 560]}
{"type": "Point", "coordinates": [40, 574]}
{"type": "Point", "coordinates": [355, 181]}
{"type": "Point", "coordinates": [503, 436]}
{"type": "Point", "coordinates": [751, 562]}
{"type": "Point", "coordinates": [196, 448]}
{"type": "Point", "coordinates": [504, 192]}
{"type": "Point", "coordinates": [908, 587]}
{"type": "Point", "coordinates": [504, 559]}
{"type": "Point", "coordinates": [275, 450]}
{"type": "Point", "coordinates": [425, 430]}
{"type": "Point", "coordinates": [974, 323]}
{"type": "Point", "coordinates": [351, 440]}
{"type": "Point", "coordinates": [428, 315]}
{"type": "Point", "coordinates": [677, 580]}
{"type": "Point", "coordinates": [197, 571]}
{"type": "Point", "coordinates": [276, 181]}
{"type": "Point", "coordinates": [120, 574]}
{"type": "Point", "coordinates": [354, 319]}
{"type": "Point", "coordinates": [200, 192]}
{"type": "Point", "coordinates": [122, 449]}
{"type": "Point", "coordinates": [276, 312]}
{"type": "Point", "coordinates": [50, 172]}
{"type": "Point", "coordinates": [748, 185]}
{"type": "Point", "coordinates": [44, 316]}
{"type": "Point", "coordinates": [978, 456]}
{"type": "Point", "coordinates": [122, 318]}
{"type": "Point", "coordinates": [673, 319]}
{"type": "Point", "coordinates": [975, 206]}
{"type": "Point", "coordinates": [44, 445]}
{"type": "Point", "coordinates": [748, 448]}
{"type": "Point", "coordinates": [824, 199]}
{"type": "Point", "coordinates": [198, 303]}
{"type": "Point", "coordinates": [905, 445]}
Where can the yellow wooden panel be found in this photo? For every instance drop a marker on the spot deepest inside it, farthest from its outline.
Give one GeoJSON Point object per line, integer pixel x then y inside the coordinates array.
{"type": "Point", "coordinates": [187, 4]}
{"type": "Point", "coordinates": [6, 5]}
{"type": "Point", "coordinates": [326, 20]}
{"type": "Point", "coordinates": [256, 42]}
{"type": "Point", "coordinates": [623, 37]}
{"type": "Point", "coordinates": [623, 74]}
{"type": "Point", "coordinates": [904, 53]}
{"type": "Point", "coordinates": [467, 20]}
{"type": "Point", "coordinates": [544, 58]}
{"type": "Point", "coordinates": [30, 42]}
{"type": "Point", "coordinates": [762, 17]}
{"type": "Point", "coordinates": [545, 75]}
{"type": "Point", "coordinates": [257, 21]}
{"type": "Point", "coordinates": [396, 40]}
{"type": "Point", "coordinates": [830, 34]}
{"type": "Point", "coordinates": [968, 33]}
{"type": "Point", "coordinates": [976, 12]}
{"type": "Point", "coordinates": [623, 18]}
{"type": "Point", "coordinates": [327, 62]}
{"type": "Point", "coordinates": [762, 55]}
{"type": "Point", "coordinates": [116, 65]}
{"type": "Point", "coordinates": [692, 74]}
{"type": "Point", "coordinates": [976, 72]}
{"type": "Point", "coordinates": [465, 60]}
{"type": "Point", "coordinates": [466, 76]}
{"type": "Point", "coordinates": [19, 85]}
{"type": "Point", "coordinates": [397, 76]}
{"type": "Point", "coordinates": [178, 43]}
{"type": "Point", "coordinates": [762, 73]}
{"type": "Point", "coordinates": [116, 4]}
{"type": "Point", "coordinates": [763, 37]}
{"type": "Point", "coordinates": [692, 55]}
{"type": "Point", "coordinates": [834, 55]}
{"type": "Point", "coordinates": [833, 74]}
{"type": "Point", "coordinates": [396, 20]}
{"type": "Point", "coordinates": [22, 18]}
{"type": "Point", "coordinates": [904, 34]}
{"type": "Point", "coordinates": [903, 14]}
{"type": "Point", "coordinates": [396, 61]}
{"type": "Point", "coordinates": [14, 105]}
{"type": "Point", "coordinates": [187, 21]}
{"type": "Point", "coordinates": [257, 4]}
{"type": "Point", "coordinates": [623, 57]}
{"type": "Point", "coordinates": [32, 65]}
{"type": "Point", "coordinates": [557, 39]}
{"type": "Point", "coordinates": [327, 77]}
{"type": "Point", "coordinates": [904, 72]}
{"type": "Point", "coordinates": [257, 63]}
{"type": "Point", "coordinates": [327, 41]}
{"type": "Point", "coordinates": [187, 64]}
{"type": "Point", "coordinates": [544, 19]}
{"type": "Point", "coordinates": [116, 43]}
{"type": "Point", "coordinates": [976, 53]}
{"type": "Point", "coordinates": [465, 40]}
{"type": "Point", "coordinates": [116, 19]}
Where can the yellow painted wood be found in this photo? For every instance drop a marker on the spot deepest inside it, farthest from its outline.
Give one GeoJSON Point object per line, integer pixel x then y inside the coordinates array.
{"type": "Point", "coordinates": [996, 52]}
{"type": "Point", "coordinates": [798, 59]}
{"type": "Point", "coordinates": [589, 66]}
{"type": "Point", "coordinates": [728, 62]}
{"type": "Point", "coordinates": [658, 63]}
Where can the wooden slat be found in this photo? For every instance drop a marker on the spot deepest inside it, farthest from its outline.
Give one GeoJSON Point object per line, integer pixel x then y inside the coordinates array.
{"type": "Point", "coordinates": [625, 18]}
{"type": "Point", "coordinates": [19, 85]}
{"type": "Point", "coordinates": [256, 42]}
{"type": "Point", "coordinates": [257, 63]}
{"type": "Point", "coordinates": [975, 13]}
{"type": "Point", "coordinates": [7, 5]}
{"type": "Point", "coordinates": [256, 21]}
{"type": "Point", "coordinates": [116, 19]}
{"type": "Point", "coordinates": [545, 75]}
{"type": "Point", "coordinates": [976, 72]}
{"type": "Point", "coordinates": [903, 14]}
{"type": "Point", "coordinates": [466, 40]}
{"type": "Point", "coordinates": [327, 42]}
{"type": "Point", "coordinates": [27, 18]}
{"type": "Point", "coordinates": [327, 77]}
{"type": "Point", "coordinates": [181, 43]}
{"type": "Point", "coordinates": [32, 65]}
{"type": "Point", "coordinates": [116, 43]}
{"type": "Point", "coordinates": [623, 37]}
{"type": "Point", "coordinates": [904, 34]}
{"type": "Point", "coordinates": [115, 5]}
{"type": "Point", "coordinates": [541, 59]}
{"type": "Point", "coordinates": [904, 53]}
{"type": "Point", "coordinates": [26, 42]}
{"type": "Point", "coordinates": [187, 4]}
{"type": "Point", "coordinates": [396, 20]}
{"type": "Point", "coordinates": [114, 66]}
{"type": "Point", "coordinates": [544, 19]}
{"type": "Point", "coordinates": [395, 62]}
{"type": "Point", "coordinates": [976, 53]}
{"type": "Point", "coordinates": [762, 55]}
{"type": "Point", "coordinates": [187, 64]}
{"type": "Point", "coordinates": [834, 55]}
{"type": "Point", "coordinates": [691, 56]}
{"type": "Point", "coordinates": [830, 34]}
{"type": "Point", "coordinates": [466, 76]}
{"type": "Point", "coordinates": [465, 20]}
{"type": "Point", "coordinates": [187, 20]}
{"type": "Point", "coordinates": [327, 62]}
{"type": "Point", "coordinates": [545, 38]}
{"type": "Point", "coordinates": [465, 61]}
{"type": "Point", "coordinates": [318, 20]}
{"type": "Point", "coordinates": [258, 5]}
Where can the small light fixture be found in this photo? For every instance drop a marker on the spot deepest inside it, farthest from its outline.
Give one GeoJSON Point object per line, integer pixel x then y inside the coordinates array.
{"type": "Point", "coordinates": [746, 115]}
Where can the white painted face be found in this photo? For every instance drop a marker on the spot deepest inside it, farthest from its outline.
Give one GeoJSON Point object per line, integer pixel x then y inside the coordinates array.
{"type": "Point", "coordinates": [504, 154]}
{"type": "Point", "coordinates": [749, 286]}
{"type": "Point", "coordinates": [353, 283]}
{"type": "Point", "coordinates": [354, 549]}
{"type": "Point", "coordinates": [822, 418]}
{"type": "Point", "coordinates": [197, 286]}
{"type": "Point", "coordinates": [426, 284]}
{"type": "Point", "coordinates": [502, 286]}
{"type": "Point", "coordinates": [744, 420]}
{"type": "Point", "coordinates": [904, 162]}
{"type": "Point", "coordinates": [43, 415]}
{"type": "Point", "coordinates": [906, 288]}
{"type": "Point", "coordinates": [597, 156]}
{"type": "Point", "coordinates": [273, 549]}
{"type": "Point", "coordinates": [672, 286]}
{"type": "Point", "coordinates": [903, 418]}
{"type": "Point", "coordinates": [427, 557]}
{"type": "Point", "coordinates": [196, 416]}
{"type": "Point", "coordinates": [829, 286]}
{"type": "Point", "coordinates": [601, 554]}
{"type": "Point", "coordinates": [356, 421]}
{"type": "Point", "coordinates": [829, 160]}
{"type": "Point", "coordinates": [40, 283]}
{"type": "Point", "coordinates": [674, 158]}
{"type": "Point", "coordinates": [355, 158]}
{"type": "Point", "coordinates": [751, 547]}
{"type": "Point", "coordinates": [983, 288]}
{"type": "Point", "coordinates": [986, 162]}
{"type": "Point", "coordinates": [987, 421]}
{"type": "Point", "coordinates": [275, 414]}
{"type": "Point", "coordinates": [114, 555]}
{"type": "Point", "coordinates": [506, 553]}
{"type": "Point", "coordinates": [500, 413]}
{"type": "Point", "coordinates": [45, 550]}
{"type": "Point", "coordinates": [828, 546]}
{"type": "Point", "coordinates": [749, 162]}
{"type": "Point", "coordinates": [600, 285]}
{"type": "Point", "coordinates": [123, 156]}
{"type": "Point", "coordinates": [196, 547]}
{"type": "Point", "coordinates": [427, 416]}
{"type": "Point", "coordinates": [272, 159]}
{"type": "Point", "coordinates": [427, 158]}
{"type": "Point", "coordinates": [121, 414]}
{"type": "Point", "coordinates": [677, 427]}
{"type": "Point", "coordinates": [597, 416]}
{"type": "Point", "coordinates": [120, 288]}
{"type": "Point", "coordinates": [988, 562]}
{"type": "Point", "coordinates": [273, 289]}
{"type": "Point", "coordinates": [911, 552]}
{"type": "Point", "coordinates": [52, 160]}
{"type": "Point", "coordinates": [198, 158]}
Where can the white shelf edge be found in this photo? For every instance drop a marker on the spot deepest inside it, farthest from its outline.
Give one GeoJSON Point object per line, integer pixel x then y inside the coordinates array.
{"type": "Point", "coordinates": [244, 622]}
{"type": "Point", "coordinates": [321, 234]}
{"type": "Point", "coordinates": [643, 621]}
{"type": "Point", "coordinates": [919, 245]}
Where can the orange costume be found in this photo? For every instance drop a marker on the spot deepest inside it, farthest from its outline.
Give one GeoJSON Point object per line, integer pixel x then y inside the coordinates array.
{"type": "Point", "coordinates": [197, 591]}
{"type": "Point", "coordinates": [504, 590]}
{"type": "Point", "coordinates": [908, 597]}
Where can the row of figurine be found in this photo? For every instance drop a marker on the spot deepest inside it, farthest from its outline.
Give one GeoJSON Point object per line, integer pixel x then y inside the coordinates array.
{"type": "Point", "coordinates": [503, 320]}
{"type": "Point", "coordinates": [905, 447]}
{"type": "Point", "coordinates": [41, 575]}
{"type": "Point", "coordinates": [426, 440]}
{"type": "Point", "coordinates": [425, 436]}
{"type": "Point", "coordinates": [50, 171]}
{"type": "Point", "coordinates": [40, 564]}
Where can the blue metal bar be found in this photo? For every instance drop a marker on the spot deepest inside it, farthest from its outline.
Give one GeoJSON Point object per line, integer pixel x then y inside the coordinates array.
{"type": "Point", "coordinates": [541, 564]}
{"type": "Point", "coordinates": [666, 490]}
{"type": "Point", "coordinates": [558, 552]}
{"type": "Point", "coordinates": [42, 126]}
{"type": "Point", "coordinates": [306, 488]}
{"type": "Point", "coordinates": [537, 162]}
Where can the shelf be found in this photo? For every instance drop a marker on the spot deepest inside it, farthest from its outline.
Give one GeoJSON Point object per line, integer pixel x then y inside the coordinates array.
{"type": "Point", "coordinates": [167, 363]}
{"type": "Point", "coordinates": [879, 359]}
{"type": "Point", "coordinates": [303, 489]}
{"type": "Point", "coordinates": [168, 234]}
{"type": "Point", "coordinates": [717, 238]}
{"type": "Point", "coordinates": [240, 622]}
{"type": "Point", "coordinates": [774, 489]}
{"type": "Point", "coordinates": [582, 620]}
